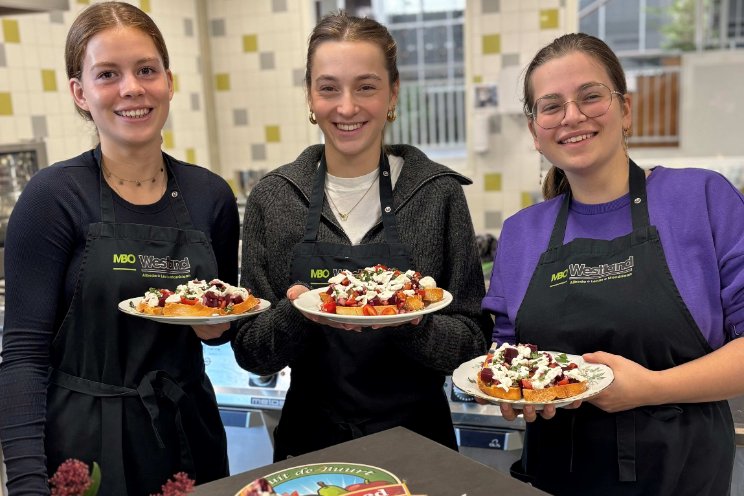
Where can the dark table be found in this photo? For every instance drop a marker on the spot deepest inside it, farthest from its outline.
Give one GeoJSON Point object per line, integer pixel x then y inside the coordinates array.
{"type": "Point", "coordinates": [426, 467]}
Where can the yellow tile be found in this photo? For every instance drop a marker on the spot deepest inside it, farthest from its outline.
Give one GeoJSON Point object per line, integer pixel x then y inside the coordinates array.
{"type": "Point", "coordinates": [190, 155]}
{"type": "Point", "coordinates": [272, 134]}
{"type": "Point", "coordinates": [175, 83]}
{"type": "Point", "coordinates": [231, 182]}
{"type": "Point", "coordinates": [145, 5]}
{"type": "Point", "coordinates": [83, 2]}
{"type": "Point", "coordinates": [11, 31]}
{"type": "Point", "coordinates": [477, 79]}
{"type": "Point", "coordinates": [48, 80]}
{"type": "Point", "coordinates": [168, 141]}
{"type": "Point", "coordinates": [527, 199]}
{"type": "Point", "coordinates": [492, 181]}
{"type": "Point", "coordinates": [549, 19]}
{"type": "Point", "coordinates": [6, 104]}
{"type": "Point", "coordinates": [250, 43]}
{"type": "Point", "coordinates": [222, 82]}
{"type": "Point", "coordinates": [491, 44]}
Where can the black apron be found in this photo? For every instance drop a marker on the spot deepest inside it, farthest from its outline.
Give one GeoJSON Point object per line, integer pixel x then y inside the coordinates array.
{"type": "Point", "coordinates": [349, 384]}
{"type": "Point", "coordinates": [129, 393]}
{"type": "Point", "coordinates": [632, 309]}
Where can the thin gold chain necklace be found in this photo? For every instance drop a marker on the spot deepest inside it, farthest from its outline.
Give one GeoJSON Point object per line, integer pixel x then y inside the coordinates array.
{"type": "Point", "coordinates": [121, 180]}
{"type": "Point", "coordinates": [345, 216]}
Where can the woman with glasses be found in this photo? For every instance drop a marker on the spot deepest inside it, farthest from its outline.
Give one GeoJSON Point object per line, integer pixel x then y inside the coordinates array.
{"type": "Point", "coordinates": [662, 303]}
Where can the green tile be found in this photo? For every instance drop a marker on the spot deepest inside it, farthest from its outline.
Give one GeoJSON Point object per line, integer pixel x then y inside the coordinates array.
{"type": "Point", "coordinates": [527, 199]}
{"type": "Point", "coordinates": [190, 155]}
{"type": "Point", "coordinates": [549, 19]}
{"type": "Point", "coordinates": [222, 82]}
{"type": "Point", "coordinates": [48, 80]}
{"type": "Point", "coordinates": [477, 79]}
{"type": "Point", "coordinates": [11, 31]}
{"type": "Point", "coordinates": [168, 140]}
{"type": "Point", "coordinates": [250, 43]}
{"type": "Point", "coordinates": [272, 134]}
{"type": "Point", "coordinates": [492, 181]}
{"type": "Point", "coordinates": [491, 44]}
{"type": "Point", "coordinates": [6, 104]}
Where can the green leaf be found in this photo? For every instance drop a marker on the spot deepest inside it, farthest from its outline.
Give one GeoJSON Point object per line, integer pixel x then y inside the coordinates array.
{"type": "Point", "coordinates": [95, 477]}
{"type": "Point", "coordinates": [562, 358]}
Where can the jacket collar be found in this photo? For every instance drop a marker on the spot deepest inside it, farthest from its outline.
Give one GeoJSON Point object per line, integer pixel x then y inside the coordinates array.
{"type": "Point", "coordinates": [417, 171]}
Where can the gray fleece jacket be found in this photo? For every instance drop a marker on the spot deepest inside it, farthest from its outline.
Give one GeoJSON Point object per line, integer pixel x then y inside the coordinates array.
{"type": "Point", "coordinates": [433, 222]}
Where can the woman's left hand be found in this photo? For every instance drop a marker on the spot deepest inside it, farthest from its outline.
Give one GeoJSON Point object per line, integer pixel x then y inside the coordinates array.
{"type": "Point", "coordinates": [633, 385]}
{"type": "Point", "coordinates": [530, 413]}
{"type": "Point", "coordinates": [212, 331]}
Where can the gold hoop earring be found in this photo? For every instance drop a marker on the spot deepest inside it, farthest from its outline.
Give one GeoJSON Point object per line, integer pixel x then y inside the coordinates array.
{"type": "Point", "coordinates": [311, 118]}
{"type": "Point", "coordinates": [391, 115]}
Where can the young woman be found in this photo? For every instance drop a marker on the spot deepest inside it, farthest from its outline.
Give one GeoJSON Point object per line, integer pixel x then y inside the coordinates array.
{"type": "Point", "coordinates": [663, 312]}
{"type": "Point", "coordinates": [80, 379]}
{"type": "Point", "coordinates": [350, 204]}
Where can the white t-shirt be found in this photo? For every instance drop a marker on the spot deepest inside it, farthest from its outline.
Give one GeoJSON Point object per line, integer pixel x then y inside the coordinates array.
{"type": "Point", "coordinates": [345, 192]}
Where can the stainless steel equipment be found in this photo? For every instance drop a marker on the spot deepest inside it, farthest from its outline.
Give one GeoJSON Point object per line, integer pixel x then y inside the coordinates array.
{"type": "Point", "coordinates": [482, 432]}
{"type": "Point", "coordinates": [18, 162]}
{"type": "Point", "coordinates": [238, 389]}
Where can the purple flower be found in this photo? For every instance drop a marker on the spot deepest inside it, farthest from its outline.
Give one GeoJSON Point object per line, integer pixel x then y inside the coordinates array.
{"type": "Point", "coordinates": [71, 479]}
{"type": "Point", "coordinates": [180, 485]}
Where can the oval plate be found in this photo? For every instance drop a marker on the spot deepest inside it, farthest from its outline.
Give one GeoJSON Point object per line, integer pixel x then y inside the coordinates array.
{"type": "Point", "coordinates": [126, 307]}
{"type": "Point", "coordinates": [600, 376]}
{"type": "Point", "coordinates": [309, 302]}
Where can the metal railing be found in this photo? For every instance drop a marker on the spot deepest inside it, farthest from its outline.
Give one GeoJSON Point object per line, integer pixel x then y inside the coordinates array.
{"type": "Point", "coordinates": [430, 115]}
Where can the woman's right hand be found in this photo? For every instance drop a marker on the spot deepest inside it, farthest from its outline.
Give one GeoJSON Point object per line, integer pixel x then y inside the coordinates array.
{"type": "Point", "coordinates": [295, 291]}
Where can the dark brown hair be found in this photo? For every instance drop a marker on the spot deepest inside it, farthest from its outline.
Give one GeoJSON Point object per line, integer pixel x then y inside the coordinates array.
{"type": "Point", "coordinates": [99, 17]}
{"type": "Point", "coordinates": [555, 181]}
{"type": "Point", "coordinates": [339, 26]}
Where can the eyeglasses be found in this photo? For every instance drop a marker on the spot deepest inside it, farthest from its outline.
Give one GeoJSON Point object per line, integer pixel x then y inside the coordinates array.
{"type": "Point", "coordinates": [594, 100]}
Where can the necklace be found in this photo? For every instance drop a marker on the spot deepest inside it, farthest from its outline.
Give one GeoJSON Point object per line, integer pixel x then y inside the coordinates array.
{"type": "Point", "coordinates": [121, 180]}
{"type": "Point", "coordinates": [345, 216]}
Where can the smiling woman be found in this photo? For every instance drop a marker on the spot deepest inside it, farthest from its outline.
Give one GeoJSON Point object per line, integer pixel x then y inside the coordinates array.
{"type": "Point", "coordinates": [661, 306]}
{"type": "Point", "coordinates": [81, 379]}
{"type": "Point", "coordinates": [349, 204]}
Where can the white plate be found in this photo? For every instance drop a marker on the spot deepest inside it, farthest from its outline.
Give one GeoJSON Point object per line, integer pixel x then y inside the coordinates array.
{"type": "Point", "coordinates": [125, 307]}
{"type": "Point", "coordinates": [309, 302]}
{"type": "Point", "coordinates": [600, 376]}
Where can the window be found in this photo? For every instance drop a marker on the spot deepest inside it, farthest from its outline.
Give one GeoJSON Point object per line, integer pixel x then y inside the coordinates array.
{"type": "Point", "coordinates": [431, 61]}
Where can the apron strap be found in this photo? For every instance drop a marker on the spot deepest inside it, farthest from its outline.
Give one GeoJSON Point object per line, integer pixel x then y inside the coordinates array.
{"type": "Point", "coordinates": [638, 198]}
{"type": "Point", "coordinates": [626, 445]}
{"type": "Point", "coordinates": [112, 407]}
{"type": "Point", "coordinates": [638, 208]}
{"type": "Point", "coordinates": [312, 222]}
{"type": "Point", "coordinates": [180, 211]}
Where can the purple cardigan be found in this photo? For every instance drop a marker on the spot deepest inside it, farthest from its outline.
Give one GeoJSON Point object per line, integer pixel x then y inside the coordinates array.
{"type": "Point", "coordinates": [700, 219]}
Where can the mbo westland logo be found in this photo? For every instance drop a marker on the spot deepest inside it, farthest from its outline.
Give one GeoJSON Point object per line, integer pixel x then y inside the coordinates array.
{"type": "Point", "coordinates": [152, 266]}
{"type": "Point", "coordinates": [583, 274]}
{"type": "Point", "coordinates": [323, 275]}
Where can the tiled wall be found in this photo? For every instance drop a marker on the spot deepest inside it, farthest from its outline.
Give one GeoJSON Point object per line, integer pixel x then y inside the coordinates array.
{"type": "Point", "coordinates": [258, 50]}
{"type": "Point", "coordinates": [240, 105]}
{"type": "Point", "coordinates": [254, 66]}
{"type": "Point", "coordinates": [502, 36]}
{"type": "Point", "coordinates": [35, 102]}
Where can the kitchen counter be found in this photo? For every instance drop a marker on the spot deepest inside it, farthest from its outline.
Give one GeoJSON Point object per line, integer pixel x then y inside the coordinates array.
{"type": "Point", "coordinates": [427, 468]}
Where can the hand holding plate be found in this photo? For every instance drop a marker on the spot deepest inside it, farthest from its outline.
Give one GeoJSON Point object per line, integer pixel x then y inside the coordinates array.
{"type": "Point", "coordinates": [213, 331]}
